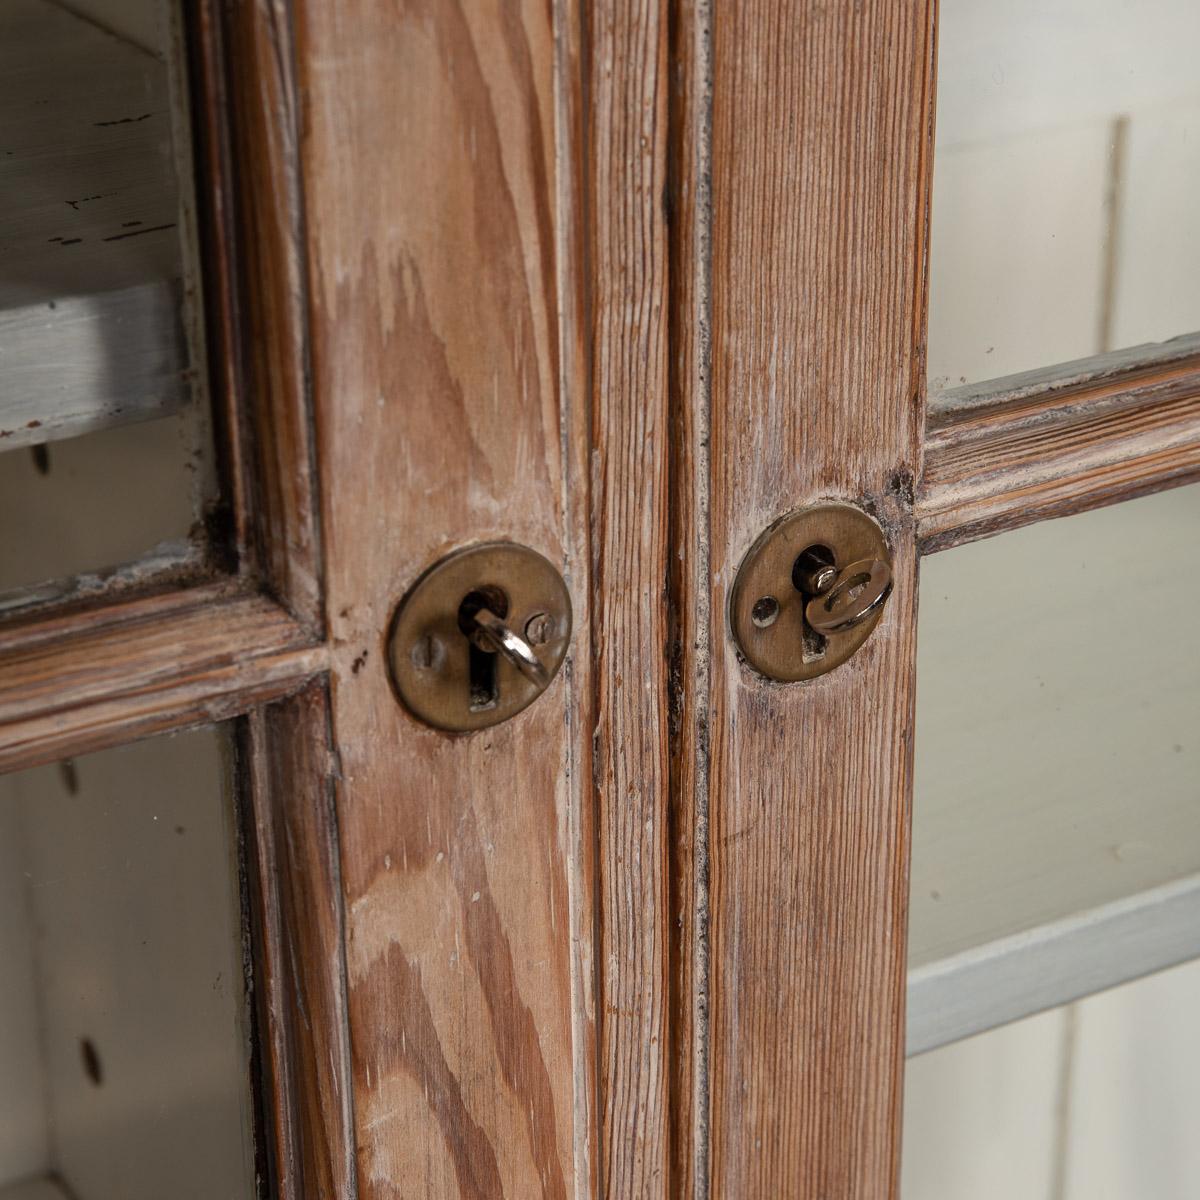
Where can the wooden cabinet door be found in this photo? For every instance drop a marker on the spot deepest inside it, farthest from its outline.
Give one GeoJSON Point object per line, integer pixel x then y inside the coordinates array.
{"type": "Point", "coordinates": [624, 283]}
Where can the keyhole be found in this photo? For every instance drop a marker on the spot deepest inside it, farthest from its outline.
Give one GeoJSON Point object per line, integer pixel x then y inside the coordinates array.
{"type": "Point", "coordinates": [482, 661]}
{"type": "Point", "coordinates": [481, 672]}
{"type": "Point", "coordinates": [812, 574]}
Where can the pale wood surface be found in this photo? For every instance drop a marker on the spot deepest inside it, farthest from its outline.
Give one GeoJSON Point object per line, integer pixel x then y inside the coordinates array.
{"type": "Point", "coordinates": [630, 464]}
{"type": "Point", "coordinates": [298, 924]}
{"type": "Point", "coordinates": [443, 241]}
{"type": "Point", "coordinates": [92, 678]}
{"type": "Point", "coordinates": [1002, 455]}
{"type": "Point", "coordinates": [819, 181]}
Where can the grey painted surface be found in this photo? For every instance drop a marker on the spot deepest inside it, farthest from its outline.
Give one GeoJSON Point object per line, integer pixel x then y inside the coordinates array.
{"type": "Point", "coordinates": [133, 942]}
{"type": "Point", "coordinates": [1056, 827]}
{"type": "Point", "coordinates": [90, 310]}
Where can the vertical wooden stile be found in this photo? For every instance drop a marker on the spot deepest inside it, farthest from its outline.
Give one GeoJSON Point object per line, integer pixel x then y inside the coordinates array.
{"type": "Point", "coordinates": [440, 164]}
{"type": "Point", "coordinates": [820, 164]}
{"type": "Point", "coordinates": [298, 927]}
{"type": "Point", "coordinates": [630, 472]}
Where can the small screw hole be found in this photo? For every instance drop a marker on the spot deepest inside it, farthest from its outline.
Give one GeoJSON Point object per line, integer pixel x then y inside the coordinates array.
{"type": "Point", "coordinates": [765, 612]}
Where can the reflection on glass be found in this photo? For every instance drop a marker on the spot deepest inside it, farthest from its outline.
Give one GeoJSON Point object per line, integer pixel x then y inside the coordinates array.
{"type": "Point", "coordinates": [1065, 175]}
{"type": "Point", "coordinates": [124, 1060]}
{"type": "Point", "coordinates": [104, 443]}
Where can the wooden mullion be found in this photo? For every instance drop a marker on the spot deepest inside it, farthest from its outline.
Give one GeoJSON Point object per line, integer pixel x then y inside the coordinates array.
{"type": "Point", "coordinates": [1030, 454]}
{"type": "Point", "coordinates": [631, 459]}
{"type": "Point", "coordinates": [297, 927]}
{"type": "Point", "coordinates": [90, 679]}
{"type": "Point", "coordinates": [821, 126]}
{"type": "Point", "coordinates": [246, 115]}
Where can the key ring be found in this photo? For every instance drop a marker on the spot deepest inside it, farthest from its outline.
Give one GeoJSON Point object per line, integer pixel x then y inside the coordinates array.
{"type": "Point", "coordinates": [515, 648]}
{"type": "Point", "coordinates": [861, 588]}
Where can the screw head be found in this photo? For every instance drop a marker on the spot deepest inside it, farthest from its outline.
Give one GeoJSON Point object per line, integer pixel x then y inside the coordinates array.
{"type": "Point", "coordinates": [539, 629]}
{"type": "Point", "coordinates": [427, 652]}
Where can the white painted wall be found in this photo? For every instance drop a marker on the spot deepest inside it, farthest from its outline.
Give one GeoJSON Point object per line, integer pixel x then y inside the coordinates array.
{"type": "Point", "coordinates": [142, 22]}
{"type": "Point", "coordinates": [124, 881]}
{"type": "Point", "coordinates": [1097, 1101]}
{"type": "Point", "coordinates": [1027, 245]}
{"type": "Point", "coordinates": [24, 1116]}
{"type": "Point", "coordinates": [1046, 704]}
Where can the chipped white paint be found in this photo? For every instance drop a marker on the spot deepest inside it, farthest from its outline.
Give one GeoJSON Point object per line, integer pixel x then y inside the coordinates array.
{"type": "Point", "coordinates": [90, 315]}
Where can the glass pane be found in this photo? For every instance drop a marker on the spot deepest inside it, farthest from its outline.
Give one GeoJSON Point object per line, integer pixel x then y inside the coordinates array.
{"type": "Point", "coordinates": [1058, 722]}
{"type": "Point", "coordinates": [124, 1027]}
{"type": "Point", "coordinates": [105, 449]}
{"type": "Point", "coordinates": [1094, 1101]}
{"type": "Point", "coordinates": [1066, 166]}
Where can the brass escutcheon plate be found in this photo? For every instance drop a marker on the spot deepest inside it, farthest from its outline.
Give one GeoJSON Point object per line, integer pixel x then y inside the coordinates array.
{"type": "Point", "coordinates": [435, 667]}
{"type": "Point", "coordinates": [766, 608]}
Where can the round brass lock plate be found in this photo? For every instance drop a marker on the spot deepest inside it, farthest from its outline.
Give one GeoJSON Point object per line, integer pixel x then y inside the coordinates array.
{"type": "Point", "coordinates": [447, 676]}
{"type": "Point", "coordinates": [767, 607]}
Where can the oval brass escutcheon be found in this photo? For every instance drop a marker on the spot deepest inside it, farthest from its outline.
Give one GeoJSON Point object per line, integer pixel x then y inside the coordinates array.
{"type": "Point", "coordinates": [479, 637]}
{"type": "Point", "coordinates": [810, 591]}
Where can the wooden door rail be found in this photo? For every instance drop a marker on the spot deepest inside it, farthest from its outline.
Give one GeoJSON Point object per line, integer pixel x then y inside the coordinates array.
{"type": "Point", "coordinates": [1028, 453]}
{"type": "Point", "coordinates": [82, 681]}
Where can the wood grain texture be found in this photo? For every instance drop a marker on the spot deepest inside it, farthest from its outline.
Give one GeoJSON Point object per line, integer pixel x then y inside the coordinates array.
{"type": "Point", "coordinates": [630, 465]}
{"type": "Point", "coordinates": [690, 589]}
{"type": "Point", "coordinates": [256, 294]}
{"type": "Point", "coordinates": [1031, 450]}
{"type": "Point", "coordinates": [298, 926]}
{"type": "Point", "coordinates": [88, 679]}
{"type": "Point", "coordinates": [820, 162]}
{"type": "Point", "coordinates": [441, 181]}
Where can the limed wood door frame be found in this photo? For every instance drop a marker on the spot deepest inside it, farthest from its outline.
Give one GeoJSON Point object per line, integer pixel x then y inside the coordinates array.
{"type": "Point", "coordinates": [625, 282]}
{"type": "Point", "coordinates": [678, 929]}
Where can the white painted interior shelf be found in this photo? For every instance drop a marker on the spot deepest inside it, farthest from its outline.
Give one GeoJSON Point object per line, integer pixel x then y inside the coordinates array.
{"type": "Point", "coordinates": [1056, 829]}
{"type": "Point", "coordinates": [90, 327]}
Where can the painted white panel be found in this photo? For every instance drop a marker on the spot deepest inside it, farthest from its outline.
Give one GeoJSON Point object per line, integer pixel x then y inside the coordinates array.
{"type": "Point", "coordinates": [101, 500]}
{"type": "Point", "coordinates": [129, 864]}
{"type": "Point", "coordinates": [24, 1119]}
{"type": "Point", "coordinates": [1052, 963]}
{"type": "Point", "coordinates": [1047, 218]}
{"type": "Point", "coordinates": [90, 310]}
{"type": "Point", "coordinates": [1096, 1101]}
{"type": "Point", "coordinates": [1058, 731]}
{"type": "Point", "coordinates": [979, 1116]}
{"type": "Point", "coordinates": [1015, 269]}
{"type": "Point", "coordinates": [1031, 64]}
{"type": "Point", "coordinates": [34, 1189]}
{"type": "Point", "coordinates": [1158, 239]}
{"type": "Point", "coordinates": [1135, 1093]}
{"type": "Point", "coordinates": [117, 358]}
